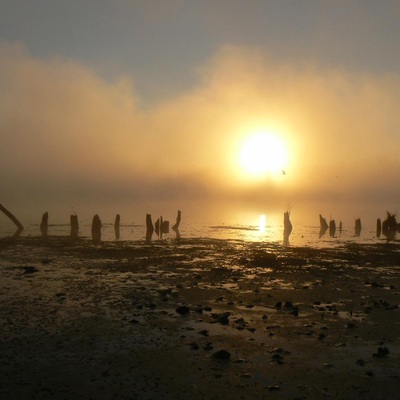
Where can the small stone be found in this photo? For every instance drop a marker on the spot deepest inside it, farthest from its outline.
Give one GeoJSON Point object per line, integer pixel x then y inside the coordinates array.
{"type": "Point", "coordinates": [222, 355]}
{"type": "Point", "coordinates": [182, 310]}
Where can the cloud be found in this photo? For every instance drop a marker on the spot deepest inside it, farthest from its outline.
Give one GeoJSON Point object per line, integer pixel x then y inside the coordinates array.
{"type": "Point", "coordinates": [70, 137]}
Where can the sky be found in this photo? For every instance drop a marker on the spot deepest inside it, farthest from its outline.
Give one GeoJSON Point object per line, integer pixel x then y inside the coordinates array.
{"type": "Point", "coordinates": [138, 107]}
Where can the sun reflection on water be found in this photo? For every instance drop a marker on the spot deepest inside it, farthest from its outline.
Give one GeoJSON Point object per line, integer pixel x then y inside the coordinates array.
{"type": "Point", "coordinates": [262, 223]}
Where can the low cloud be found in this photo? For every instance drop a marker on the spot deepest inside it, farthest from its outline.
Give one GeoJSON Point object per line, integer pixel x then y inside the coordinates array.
{"type": "Point", "coordinates": [70, 137]}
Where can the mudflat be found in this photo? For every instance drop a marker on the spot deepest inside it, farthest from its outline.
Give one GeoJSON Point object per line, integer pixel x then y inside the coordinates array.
{"type": "Point", "coordinates": [198, 319]}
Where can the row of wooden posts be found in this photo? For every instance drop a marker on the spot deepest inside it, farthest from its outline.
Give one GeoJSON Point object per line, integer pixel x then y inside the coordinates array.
{"type": "Point", "coordinates": [389, 227]}
{"type": "Point", "coordinates": [160, 227]}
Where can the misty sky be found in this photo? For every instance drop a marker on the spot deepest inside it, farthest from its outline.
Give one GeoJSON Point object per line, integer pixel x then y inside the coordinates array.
{"type": "Point", "coordinates": [142, 107]}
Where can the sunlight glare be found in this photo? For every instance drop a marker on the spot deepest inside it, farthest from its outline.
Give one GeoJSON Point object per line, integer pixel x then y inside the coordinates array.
{"type": "Point", "coordinates": [262, 223]}
{"type": "Point", "coordinates": [263, 153]}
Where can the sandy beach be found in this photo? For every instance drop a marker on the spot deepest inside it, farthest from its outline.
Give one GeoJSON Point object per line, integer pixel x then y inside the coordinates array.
{"type": "Point", "coordinates": [198, 319]}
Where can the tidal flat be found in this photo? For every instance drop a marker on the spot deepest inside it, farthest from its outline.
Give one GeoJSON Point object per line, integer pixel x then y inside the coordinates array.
{"type": "Point", "coordinates": [198, 319]}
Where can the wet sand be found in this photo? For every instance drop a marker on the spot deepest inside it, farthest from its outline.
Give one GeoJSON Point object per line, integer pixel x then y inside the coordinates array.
{"type": "Point", "coordinates": [199, 319]}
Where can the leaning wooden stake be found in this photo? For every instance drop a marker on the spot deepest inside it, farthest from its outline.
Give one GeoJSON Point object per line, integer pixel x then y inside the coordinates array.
{"type": "Point", "coordinates": [116, 226]}
{"type": "Point", "coordinates": [13, 219]}
{"type": "Point", "coordinates": [96, 229]}
{"type": "Point", "coordinates": [44, 225]}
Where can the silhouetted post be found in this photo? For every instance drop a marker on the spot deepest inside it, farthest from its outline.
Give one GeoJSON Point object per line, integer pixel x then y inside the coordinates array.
{"type": "Point", "coordinates": [44, 226]}
{"type": "Point", "coordinates": [323, 226]}
{"type": "Point", "coordinates": [357, 227]}
{"type": "Point", "coordinates": [378, 228]}
{"type": "Point", "coordinates": [165, 227]}
{"type": "Point", "coordinates": [74, 227]}
{"type": "Point", "coordinates": [116, 226]}
{"type": "Point", "coordinates": [340, 227]}
{"type": "Point", "coordinates": [332, 228]}
{"type": "Point", "coordinates": [175, 228]}
{"type": "Point", "coordinates": [390, 226]}
{"type": "Point", "coordinates": [158, 227]}
{"type": "Point", "coordinates": [20, 228]}
{"type": "Point", "coordinates": [287, 227]}
{"type": "Point", "coordinates": [96, 229]}
{"type": "Point", "coordinates": [149, 228]}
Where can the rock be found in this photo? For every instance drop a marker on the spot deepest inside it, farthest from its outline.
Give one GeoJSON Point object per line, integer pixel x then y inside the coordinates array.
{"type": "Point", "coordinates": [204, 332]}
{"type": "Point", "coordinates": [382, 352]}
{"type": "Point", "coordinates": [182, 310]}
{"type": "Point", "coordinates": [222, 318]}
{"type": "Point", "coordinates": [222, 355]}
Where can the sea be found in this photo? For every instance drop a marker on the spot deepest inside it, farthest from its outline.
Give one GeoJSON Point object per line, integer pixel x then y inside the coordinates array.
{"type": "Point", "coordinates": [302, 235]}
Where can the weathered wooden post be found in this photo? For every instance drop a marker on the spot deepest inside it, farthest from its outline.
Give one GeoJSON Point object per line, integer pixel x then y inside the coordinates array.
{"type": "Point", "coordinates": [357, 227]}
{"type": "Point", "coordinates": [175, 228]}
{"type": "Point", "coordinates": [378, 228]}
{"type": "Point", "coordinates": [332, 228]}
{"type": "Point", "coordinates": [149, 228]}
{"type": "Point", "coordinates": [323, 226]}
{"type": "Point", "coordinates": [44, 225]}
{"type": "Point", "coordinates": [287, 227]}
{"type": "Point", "coordinates": [20, 228]}
{"type": "Point", "coordinates": [116, 226]}
{"type": "Point", "coordinates": [340, 227]}
{"type": "Point", "coordinates": [74, 226]}
{"type": "Point", "coordinates": [96, 229]}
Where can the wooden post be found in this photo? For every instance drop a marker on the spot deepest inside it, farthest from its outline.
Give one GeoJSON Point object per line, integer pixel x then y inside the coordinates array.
{"type": "Point", "coordinates": [20, 228]}
{"type": "Point", "coordinates": [287, 227]}
{"type": "Point", "coordinates": [332, 228]}
{"type": "Point", "coordinates": [378, 228]}
{"type": "Point", "coordinates": [44, 226]}
{"type": "Point", "coordinates": [74, 227]}
{"type": "Point", "coordinates": [175, 228]}
{"type": "Point", "coordinates": [149, 228]}
{"type": "Point", "coordinates": [357, 227]}
{"type": "Point", "coordinates": [323, 226]}
{"type": "Point", "coordinates": [340, 227]}
{"type": "Point", "coordinates": [96, 229]}
{"type": "Point", "coordinates": [116, 226]}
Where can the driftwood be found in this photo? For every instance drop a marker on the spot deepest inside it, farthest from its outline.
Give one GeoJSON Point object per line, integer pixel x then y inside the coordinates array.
{"type": "Point", "coordinates": [149, 228]}
{"type": "Point", "coordinates": [175, 228]}
{"type": "Point", "coordinates": [357, 227]}
{"type": "Point", "coordinates": [96, 229]}
{"type": "Point", "coordinates": [20, 228]}
{"type": "Point", "coordinates": [332, 228]}
{"type": "Point", "coordinates": [44, 225]}
{"type": "Point", "coordinates": [74, 226]}
{"type": "Point", "coordinates": [116, 226]}
{"type": "Point", "coordinates": [323, 226]}
{"type": "Point", "coordinates": [287, 227]}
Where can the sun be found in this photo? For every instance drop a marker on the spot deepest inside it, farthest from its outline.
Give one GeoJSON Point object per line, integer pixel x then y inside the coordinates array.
{"type": "Point", "coordinates": [263, 153]}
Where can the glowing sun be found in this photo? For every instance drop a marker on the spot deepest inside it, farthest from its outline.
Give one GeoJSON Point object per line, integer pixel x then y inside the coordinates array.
{"type": "Point", "coordinates": [263, 153]}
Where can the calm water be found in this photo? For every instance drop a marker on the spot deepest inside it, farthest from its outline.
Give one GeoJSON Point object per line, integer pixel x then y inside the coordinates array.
{"type": "Point", "coordinates": [301, 235]}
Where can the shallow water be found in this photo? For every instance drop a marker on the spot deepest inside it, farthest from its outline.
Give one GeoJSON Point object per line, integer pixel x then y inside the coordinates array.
{"type": "Point", "coordinates": [307, 235]}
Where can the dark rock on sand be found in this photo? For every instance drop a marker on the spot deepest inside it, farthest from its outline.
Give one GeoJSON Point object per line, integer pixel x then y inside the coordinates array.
{"type": "Point", "coordinates": [222, 355]}
{"type": "Point", "coordinates": [182, 310]}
